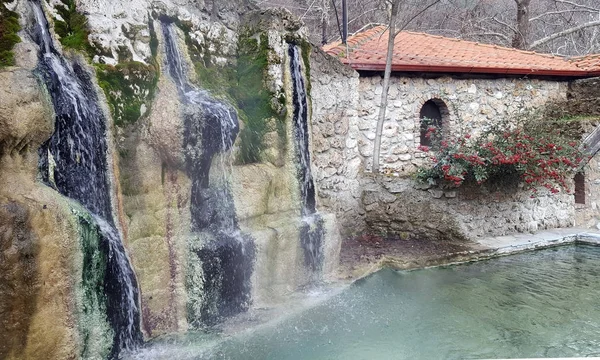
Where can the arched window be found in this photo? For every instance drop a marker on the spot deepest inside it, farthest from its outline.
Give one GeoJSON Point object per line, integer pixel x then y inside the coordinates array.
{"type": "Point", "coordinates": [431, 116]}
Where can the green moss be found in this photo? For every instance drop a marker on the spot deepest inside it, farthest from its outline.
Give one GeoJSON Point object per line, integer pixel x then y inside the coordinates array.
{"type": "Point", "coordinates": [128, 86]}
{"type": "Point", "coordinates": [211, 77]}
{"type": "Point", "coordinates": [93, 326]}
{"type": "Point", "coordinates": [252, 97]}
{"type": "Point", "coordinates": [243, 84]}
{"type": "Point", "coordinates": [306, 49]}
{"type": "Point", "coordinates": [73, 28]}
{"type": "Point", "coordinates": [153, 38]}
{"type": "Point", "coordinates": [9, 26]}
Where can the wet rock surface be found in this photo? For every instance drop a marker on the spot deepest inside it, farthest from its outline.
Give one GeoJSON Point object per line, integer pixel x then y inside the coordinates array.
{"type": "Point", "coordinates": [365, 253]}
{"type": "Point", "coordinates": [19, 250]}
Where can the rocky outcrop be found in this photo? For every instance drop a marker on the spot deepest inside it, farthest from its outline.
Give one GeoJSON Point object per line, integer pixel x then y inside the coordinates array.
{"type": "Point", "coordinates": [24, 114]}
{"type": "Point", "coordinates": [156, 184]}
{"type": "Point", "coordinates": [40, 252]}
{"type": "Point", "coordinates": [155, 196]}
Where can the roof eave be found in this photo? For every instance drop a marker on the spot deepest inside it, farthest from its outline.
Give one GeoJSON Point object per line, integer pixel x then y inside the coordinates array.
{"type": "Point", "coordinates": [474, 70]}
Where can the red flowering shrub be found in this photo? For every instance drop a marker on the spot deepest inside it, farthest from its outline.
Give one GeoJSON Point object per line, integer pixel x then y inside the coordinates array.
{"type": "Point", "coordinates": [537, 152]}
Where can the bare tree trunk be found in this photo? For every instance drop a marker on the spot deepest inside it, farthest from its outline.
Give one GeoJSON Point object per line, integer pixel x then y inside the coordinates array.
{"type": "Point", "coordinates": [324, 18]}
{"type": "Point", "coordinates": [521, 36]}
{"type": "Point", "coordinates": [386, 83]}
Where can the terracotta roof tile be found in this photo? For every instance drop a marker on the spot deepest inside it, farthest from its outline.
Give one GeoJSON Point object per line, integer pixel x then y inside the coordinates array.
{"type": "Point", "coordinates": [588, 62]}
{"type": "Point", "coordinates": [431, 53]}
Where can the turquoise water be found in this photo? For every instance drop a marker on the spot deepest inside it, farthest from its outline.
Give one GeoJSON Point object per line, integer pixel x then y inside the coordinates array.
{"type": "Point", "coordinates": [540, 304]}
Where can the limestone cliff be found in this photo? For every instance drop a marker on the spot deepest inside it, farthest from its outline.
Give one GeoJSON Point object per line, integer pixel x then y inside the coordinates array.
{"type": "Point", "coordinates": [53, 261]}
{"type": "Point", "coordinates": [40, 249]}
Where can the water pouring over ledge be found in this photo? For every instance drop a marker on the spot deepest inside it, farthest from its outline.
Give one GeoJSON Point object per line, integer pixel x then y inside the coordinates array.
{"type": "Point", "coordinates": [219, 283]}
{"type": "Point", "coordinates": [74, 162]}
{"type": "Point", "coordinates": [311, 228]}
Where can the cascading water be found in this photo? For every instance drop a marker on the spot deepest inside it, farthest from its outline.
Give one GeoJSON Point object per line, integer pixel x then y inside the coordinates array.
{"type": "Point", "coordinates": [74, 161]}
{"type": "Point", "coordinates": [311, 231]}
{"type": "Point", "coordinates": [226, 254]}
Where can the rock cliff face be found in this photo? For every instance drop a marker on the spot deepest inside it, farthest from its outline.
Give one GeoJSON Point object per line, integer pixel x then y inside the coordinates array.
{"type": "Point", "coordinates": [52, 260]}
{"type": "Point", "coordinates": [40, 253]}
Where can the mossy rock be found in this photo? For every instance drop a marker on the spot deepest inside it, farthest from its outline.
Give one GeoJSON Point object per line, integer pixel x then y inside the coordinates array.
{"type": "Point", "coordinates": [9, 26]}
{"type": "Point", "coordinates": [73, 28]}
{"type": "Point", "coordinates": [95, 331]}
{"type": "Point", "coordinates": [129, 87]}
{"type": "Point", "coordinates": [243, 84]}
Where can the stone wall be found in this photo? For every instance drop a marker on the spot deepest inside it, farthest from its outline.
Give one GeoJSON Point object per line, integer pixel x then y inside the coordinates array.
{"type": "Point", "coordinates": [583, 99]}
{"type": "Point", "coordinates": [582, 107]}
{"type": "Point", "coordinates": [588, 214]}
{"type": "Point", "coordinates": [336, 161]}
{"type": "Point", "coordinates": [345, 109]}
{"type": "Point", "coordinates": [395, 207]}
{"type": "Point", "coordinates": [471, 104]}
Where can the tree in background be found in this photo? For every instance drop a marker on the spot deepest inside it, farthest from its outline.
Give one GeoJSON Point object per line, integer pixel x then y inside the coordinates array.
{"type": "Point", "coordinates": [562, 27]}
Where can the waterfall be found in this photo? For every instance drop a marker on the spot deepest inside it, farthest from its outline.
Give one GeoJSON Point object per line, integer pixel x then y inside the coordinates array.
{"type": "Point", "coordinates": [225, 253]}
{"type": "Point", "coordinates": [311, 231]}
{"type": "Point", "coordinates": [74, 161]}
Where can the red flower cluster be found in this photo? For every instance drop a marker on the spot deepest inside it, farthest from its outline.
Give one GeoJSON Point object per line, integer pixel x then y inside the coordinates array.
{"type": "Point", "coordinates": [539, 158]}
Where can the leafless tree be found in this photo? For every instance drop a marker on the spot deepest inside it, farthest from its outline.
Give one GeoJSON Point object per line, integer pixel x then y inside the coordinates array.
{"type": "Point", "coordinates": [392, 33]}
{"type": "Point", "coordinates": [322, 16]}
{"type": "Point", "coordinates": [386, 83]}
{"type": "Point", "coordinates": [563, 27]}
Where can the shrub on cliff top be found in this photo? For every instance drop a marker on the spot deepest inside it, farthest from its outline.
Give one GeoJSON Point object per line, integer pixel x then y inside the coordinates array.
{"type": "Point", "coordinates": [9, 26]}
{"type": "Point", "coordinates": [73, 28]}
{"type": "Point", "coordinates": [539, 153]}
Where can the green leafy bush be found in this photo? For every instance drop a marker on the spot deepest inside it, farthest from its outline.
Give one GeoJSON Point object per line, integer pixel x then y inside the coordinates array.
{"type": "Point", "coordinates": [537, 152]}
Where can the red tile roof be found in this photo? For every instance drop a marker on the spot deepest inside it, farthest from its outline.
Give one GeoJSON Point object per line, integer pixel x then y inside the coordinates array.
{"type": "Point", "coordinates": [429, 53]}
{"type": "Point", "coordinates": [588, 62]}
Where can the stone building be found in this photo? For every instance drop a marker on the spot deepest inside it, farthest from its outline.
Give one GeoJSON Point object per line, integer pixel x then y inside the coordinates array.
{"type": "Point", "coordinates": [464, 87]}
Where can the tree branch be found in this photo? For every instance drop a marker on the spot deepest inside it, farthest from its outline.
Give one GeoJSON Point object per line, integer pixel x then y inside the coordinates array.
{"type": "Point", "coordinates": [359, 16]}
{"type": "Point", "coordinates": [560, 34]}
{"type": "Point", "coordinates": [416, 15]}
{"type": "Point", "coordinates": [561, 12]}
{"type": "Point", "coordinates": [576, 5]}
{"type": "Point", "coordinates": [512, 28]}
{"type": "Point", "coordinates": [307, 10]}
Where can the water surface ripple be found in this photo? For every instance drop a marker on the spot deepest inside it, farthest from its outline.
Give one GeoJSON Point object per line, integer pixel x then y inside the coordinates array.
{"type": "Point", "coordinates": [539, 304]}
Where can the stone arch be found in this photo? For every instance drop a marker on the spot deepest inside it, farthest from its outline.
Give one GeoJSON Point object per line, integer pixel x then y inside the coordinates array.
{"type": "Point", "coordinates": [432, 112]}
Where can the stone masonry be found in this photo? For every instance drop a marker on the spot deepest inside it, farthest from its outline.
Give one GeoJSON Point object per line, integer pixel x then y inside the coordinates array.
{"type": "Point", "coordinates": [336, 161]}
{"type": "Point", "coordinates": [471, 105]}
{"type": "Point", "coordinates": [345, 109]}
